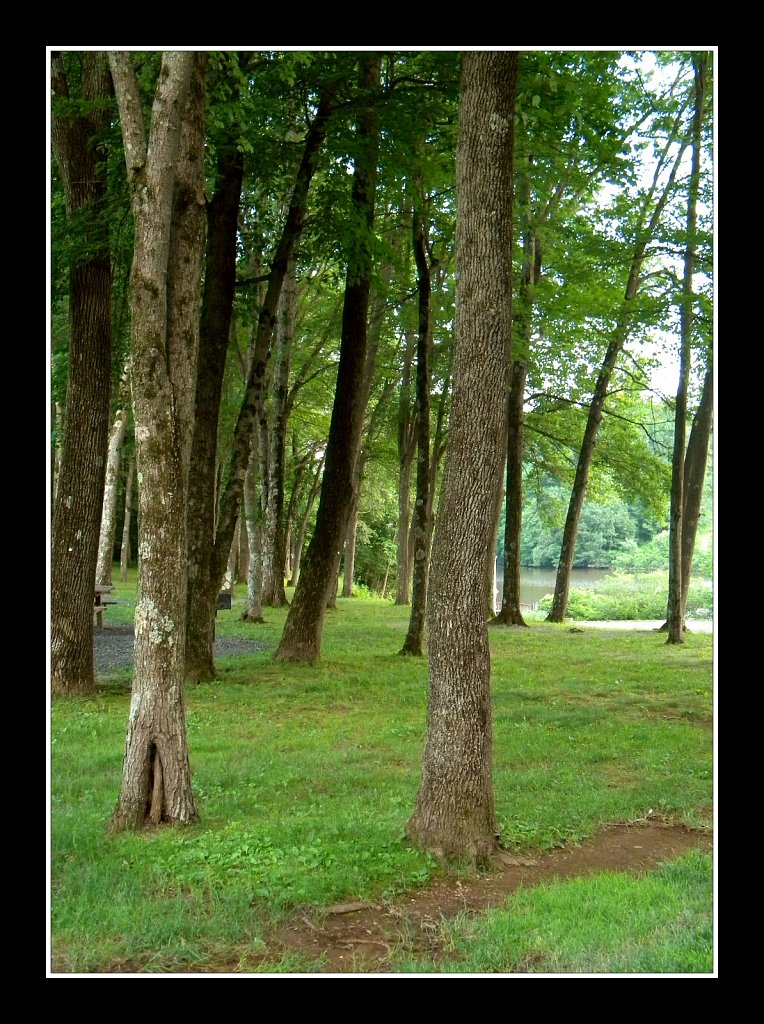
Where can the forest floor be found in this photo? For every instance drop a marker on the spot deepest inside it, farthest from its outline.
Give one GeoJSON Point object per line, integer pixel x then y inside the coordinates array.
{"type": "Point", "coordinates": [365, 938]}
{"type": "Point", "coordinates": [360, 938]}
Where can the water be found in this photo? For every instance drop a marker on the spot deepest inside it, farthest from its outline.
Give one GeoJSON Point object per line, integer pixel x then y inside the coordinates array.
{"type": "Point", "coordinates": [536, 583]}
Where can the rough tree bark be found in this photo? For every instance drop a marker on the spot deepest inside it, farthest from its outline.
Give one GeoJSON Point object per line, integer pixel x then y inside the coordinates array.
{"type": "Point", "coordinates": [111, 491]}
{"type": "Point", "coordinates": [166, 178]}
{"type": "Point", "coordinates": [455, 814]}
{"type": "Point", "coordinates": [301, 639]}
{"type": "Point", "coordinates": [676, 599]}
{"type": "Point", "coordinates": [80, 479]}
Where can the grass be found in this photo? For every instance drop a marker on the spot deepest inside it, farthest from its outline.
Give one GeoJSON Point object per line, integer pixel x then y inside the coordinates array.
{"type": "Point", "coordinates": [610, 924]}
{"type": "Point", "coordinates": [305, 778]}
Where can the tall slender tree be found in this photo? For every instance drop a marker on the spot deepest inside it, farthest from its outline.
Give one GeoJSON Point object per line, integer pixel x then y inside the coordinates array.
{"type": "Point", "coordinates": [201, 631]}
{"type": "Point", "coordinates": [81, 88]}
{"type": "Point", "coordinates": [111, 489]}
{"type": "Point", "coordinates": [413, 642]}
{"type": "Point", "coordinates": [301, 639]}
{"type": "Point", "coordinates": [676, 598]}
{"type": "Point", "coordinates": [214, 330]}
{"type": "Point", "coordinates": [650, 211]}
{"type": "Point", "coordinates": [166, 178]}
{"type": "Point", "coordinates": [455, 812]}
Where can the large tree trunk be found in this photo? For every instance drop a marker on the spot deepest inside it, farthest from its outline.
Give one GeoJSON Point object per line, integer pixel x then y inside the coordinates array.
{"type": "Point", "coordinates": [677, 601]}
{"type": "Point", "coordinates": [80, 480]}
{"type": "Point", "coordinates": [455, 814]}
{"type": "Point", "coordinates": [166, 177]}
{"type": "Point", "coordinates": [407, 444]}
{"type": "Point", "coordinates": [301, 640]}
{"type": "Point", "coordinates": [214, 332]}
{"type": "Point", "coordinates": [111, 491]}
{"type": "Point", "coordinates": [413, 642]}
{"type": "Point", "coordinates": [594, 417]}
{"type": "Point", "coordinates": [125, 552]}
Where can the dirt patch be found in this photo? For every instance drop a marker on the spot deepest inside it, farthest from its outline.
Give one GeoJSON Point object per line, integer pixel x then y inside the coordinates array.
{"type": "Point", "coordinates": [358, 938]}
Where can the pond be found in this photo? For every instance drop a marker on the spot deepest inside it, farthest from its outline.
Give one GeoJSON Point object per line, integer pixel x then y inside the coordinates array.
{"type": "Point", "coordinates": [535, 583]}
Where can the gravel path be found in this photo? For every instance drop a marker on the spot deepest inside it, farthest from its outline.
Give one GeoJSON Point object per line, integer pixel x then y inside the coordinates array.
{"type": "Point", "coordinates": [113, 647]}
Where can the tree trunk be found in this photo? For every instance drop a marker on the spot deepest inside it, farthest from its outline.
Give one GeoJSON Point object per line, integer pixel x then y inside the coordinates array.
{"type": "Point", "coordinates": [214, 333]}
{"type": "Point", "coordinates": [455, 814]}
{"type": "Point", "coordinates": [303, 529]}
{"type": "Point", "coordinates": [251, 407]}
{"type": "Point", "coordinates": [233, 557]}
{"type": "Point", "coordinates": [242, 555]}
{"type": "Point", "coordinates": [274, 540]}
{"type": "Point", "coordinates": [253, 611]}
{"type": "Point", "coordinates": [166, 178]}
{"type": "Point", "coordinates": [348, 569]}
{"type": "Point", "coordinates": [125, 553]}
{"type": "Point", "coordinates": [376, 322]}
{"type": "Point", "coordinates": [489, 586]}
{"type": "Point", "coordinates": [694, 476]}
{"type": "Point", "coordinates": [301, 640]}
{"type": "Point", "coordinates": [111, 491]}
{"type": "Point", "coordinates": [594, 418]}
{"type": "Point", "coordinates": [407, 444]}
{"type": "Point", "coordinates": [80, 480]}
{"type": "Point", "coordinates": [413, 642]}
{"type": "Point", "coordinates": [677, 601]}
{"type": "Point", "coordinates": [334, 583]}
{"type": "Point", "coordinates": [510, 614]}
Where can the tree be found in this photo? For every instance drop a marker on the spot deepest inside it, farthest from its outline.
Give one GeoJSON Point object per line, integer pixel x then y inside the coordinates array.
{"type": "Point", "coordinates": [212, 563]}
{"type": "Point", "coordinates": [166, 178]}
{"type": "Point", "coordinates": [81, 87]}
{"type": "Point", "coordinates": [274, 539]}
{"type": "Point", "coordinates": [649, 216]}
{"type": "Point", "coordinates": [215, 321]}
{"type": "Point", "coordinates": [677, 596]}
{"type": "Point", "coordinates": [301, 639]}
{"type": "Point", "coordinates": [421, 531]}
{"type": "Point", "coordinates": [455, 813]}
{"type": "Point", "coordinates": [124, 555]}
{"type": "Point", "coordinates": [109, 515]}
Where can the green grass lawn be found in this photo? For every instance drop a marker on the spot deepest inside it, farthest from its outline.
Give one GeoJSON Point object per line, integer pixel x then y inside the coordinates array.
{"type": "Point", "coordinates": [305, 778]}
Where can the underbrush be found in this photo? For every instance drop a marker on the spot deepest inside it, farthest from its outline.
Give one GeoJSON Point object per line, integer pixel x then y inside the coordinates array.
{"type": "Point", "coordinates": [623, 596]}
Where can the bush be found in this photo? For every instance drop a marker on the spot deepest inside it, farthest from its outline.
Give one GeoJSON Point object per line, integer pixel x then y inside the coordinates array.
{"type": "Point", "coordinates": [621, 596]}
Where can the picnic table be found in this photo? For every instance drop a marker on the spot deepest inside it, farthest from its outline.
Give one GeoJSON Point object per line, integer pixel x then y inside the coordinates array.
{"type": "Point", "coordinates": [101, 602]}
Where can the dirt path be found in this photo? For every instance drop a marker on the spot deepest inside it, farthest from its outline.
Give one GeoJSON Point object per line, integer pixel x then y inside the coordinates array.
{"type": "Point", "coordinates": [358, 937]}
